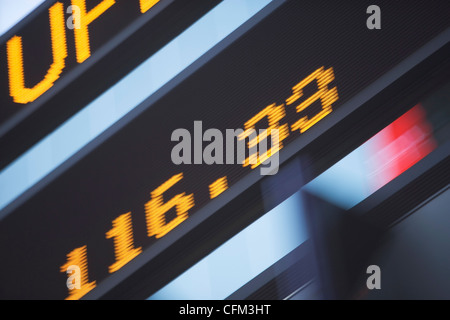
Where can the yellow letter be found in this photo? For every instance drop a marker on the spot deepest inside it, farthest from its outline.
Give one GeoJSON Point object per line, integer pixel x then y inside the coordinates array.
{"type": "Point", "coordinates": [156, 210]}
{"type": "Point", "coordinates": [78, 257]}
{"type": "Point", "coordinates": [274, 114]}
{"type": "Point", "coordinates": [17, 88]}
{"type": "Point", "coordinates": [82, 34]}
{"type": "Point", "coordinates": [122, 232]}
{"type": "Point", "coordinates": [217, 187]}
{"type": "Point", "coordinates": [147, 5]}
{"type": "Point", "coordinates": [327, 97]}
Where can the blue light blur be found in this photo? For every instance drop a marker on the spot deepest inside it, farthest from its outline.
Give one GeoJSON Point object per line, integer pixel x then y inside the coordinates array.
{"type": "Point", "coordinates": [243, 257]}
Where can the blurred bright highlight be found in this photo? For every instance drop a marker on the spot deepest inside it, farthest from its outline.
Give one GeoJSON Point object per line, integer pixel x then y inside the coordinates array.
{"type": "Point", "coordinates": [243, 257]}
{"type": "Point", "coordinates": [12, 11]}
{"type": "Point", "coordinates": [382, 158]}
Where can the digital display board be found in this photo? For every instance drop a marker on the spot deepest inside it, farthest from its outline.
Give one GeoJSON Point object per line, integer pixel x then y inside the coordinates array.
{"type": "Point", "coordinates": [43, 51]}
{"type": "Point", "coordinates": [290, 71]}
{"type": "Point", "coordinates": [46, 59]}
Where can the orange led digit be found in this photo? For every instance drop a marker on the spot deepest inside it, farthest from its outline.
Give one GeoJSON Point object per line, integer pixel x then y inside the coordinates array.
{"type": "Point", "coordinates": [155, 209]}
{"type": "Point", "coordinates": [147, 4]}
{"type": "Point", "coordinates": [82, 44]}
{"type": "Point", "coordinates": [274, 114]}
{"type": "Point", "coordinates": [122, 232]}
{"type": "Point", "coordinates": [17, 89]}
{"type": "Point", "coordinates": [327, 97]}
{"type": "Point", "coordinates": [217, 187]}
{"type": "Point", "coordinates": [78, 257]}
